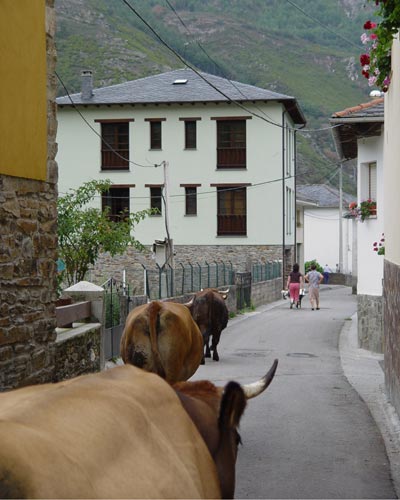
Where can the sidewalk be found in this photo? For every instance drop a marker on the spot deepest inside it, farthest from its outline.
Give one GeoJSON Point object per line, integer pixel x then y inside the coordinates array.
{"type": "Point", "coordinates": [364, 371]}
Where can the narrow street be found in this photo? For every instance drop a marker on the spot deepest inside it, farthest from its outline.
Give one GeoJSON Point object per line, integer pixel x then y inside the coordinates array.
{"type": "Point", "coordinates": [310, 435]}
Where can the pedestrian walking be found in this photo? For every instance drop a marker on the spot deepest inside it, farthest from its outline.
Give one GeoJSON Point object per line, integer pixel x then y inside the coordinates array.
{"type": "Point", "coordinates": [327, 271]}
{"type": "Point", "coordinates": [314, 279]}
{"type": "Point", "coordinates": [294, 283]}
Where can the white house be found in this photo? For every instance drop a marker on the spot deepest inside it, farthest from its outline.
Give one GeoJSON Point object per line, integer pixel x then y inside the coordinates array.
{"type": "Point", "coordinates": [392, 233]}
{"type": "Point", "coordinates": [216, 157]}
{"type": "Point", "coordinates": [360, 135]}
{"type": "Point", "coordinates": [322, 239]}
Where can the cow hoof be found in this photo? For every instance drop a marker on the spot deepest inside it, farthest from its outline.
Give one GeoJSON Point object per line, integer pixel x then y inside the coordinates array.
{"type": "Point", "coordinates": [215, 357]}
{"type": "Point", "coordinates": [207, 355]}
{"type": "Point", "coordinates": [203, 362]}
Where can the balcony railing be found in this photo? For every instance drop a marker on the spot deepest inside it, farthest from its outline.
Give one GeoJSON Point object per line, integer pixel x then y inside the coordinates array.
{"type": "Point", "coordinates": [231, 157]}
{"type": "Point", "coordinates": [232, 225]}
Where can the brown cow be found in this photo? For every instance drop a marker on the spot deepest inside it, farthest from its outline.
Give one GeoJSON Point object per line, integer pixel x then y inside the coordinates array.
{"type": "Point", "coordinates": [122, 433]}
{"type": "Point", "coordinates": [162, 337]}
{"type": "Point", "coordinates": [209, 310]}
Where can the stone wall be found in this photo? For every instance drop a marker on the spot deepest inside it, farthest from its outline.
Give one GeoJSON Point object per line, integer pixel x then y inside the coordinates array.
{"type": "Point", "coordinates": [391, 314]}
{"type": "Point", "coordinates": [265, 292]}
{"type": "Point", "coordinates": [77, 351]}
{"type": "Point", "coordinates": [370, 322]}
{"type": "Point", "coordinates": [133, 261]}
{"type": "Point", "coordinates": [28, 253]}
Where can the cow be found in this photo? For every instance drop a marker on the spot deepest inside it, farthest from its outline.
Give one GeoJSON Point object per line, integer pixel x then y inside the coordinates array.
{"type": "Point", "coordinates": [122, 433]}
{"type": "Point", "coordinates": [163, 338]}
{"type": "Point", "coordinates": [209, 310]}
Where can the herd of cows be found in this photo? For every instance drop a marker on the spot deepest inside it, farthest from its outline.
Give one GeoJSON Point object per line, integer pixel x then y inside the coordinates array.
{"type": "Point", "coordinates": [140, 430]}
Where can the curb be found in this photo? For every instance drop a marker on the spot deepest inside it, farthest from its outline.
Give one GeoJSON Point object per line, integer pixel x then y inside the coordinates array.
{"type": "Point", "coordinates": [364, 372]}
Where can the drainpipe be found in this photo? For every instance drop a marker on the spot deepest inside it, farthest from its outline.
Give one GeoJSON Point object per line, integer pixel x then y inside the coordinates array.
{"type": "Point", "coordinates": [283, 201]}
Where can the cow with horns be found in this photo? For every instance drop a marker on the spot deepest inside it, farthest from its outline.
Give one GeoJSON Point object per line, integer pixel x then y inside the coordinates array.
{"type": "Point", "coordinates": [122, 433]}
{"type": "Point", "coordinates": [208, 309]}
{"type": "Point", "coordinates": [163, 338]}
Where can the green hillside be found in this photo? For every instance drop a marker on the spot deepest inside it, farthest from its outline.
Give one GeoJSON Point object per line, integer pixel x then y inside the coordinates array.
{"type": "Point", "coordinates": [306, 49]}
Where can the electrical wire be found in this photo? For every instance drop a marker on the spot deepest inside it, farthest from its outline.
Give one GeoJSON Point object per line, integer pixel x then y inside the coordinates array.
{"type": "Point", "coordinates": [99, 135]}
{"type": "Point", "coordinates": [158, 36]}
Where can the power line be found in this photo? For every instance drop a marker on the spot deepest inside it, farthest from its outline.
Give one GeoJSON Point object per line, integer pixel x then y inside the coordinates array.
{"type": "Point", "coordinates": [321, 24]}
{"type": "Point", "coordinates": [99, 135]}
{"type": "Point", "coordinates": [158, 36]}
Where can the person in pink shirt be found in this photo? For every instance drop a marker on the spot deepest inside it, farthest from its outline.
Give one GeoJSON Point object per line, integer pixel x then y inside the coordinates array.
{"type": "Point", "coordinates": [294, 283]}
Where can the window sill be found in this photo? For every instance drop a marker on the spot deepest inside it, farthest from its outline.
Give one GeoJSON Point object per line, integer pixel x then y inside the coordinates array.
{"type": "Point", "coordinates": [155, 149]}
{"type": "Point", "coordinates": [230, 168]}
{"type": "Point", "coordinates": [190, 215]}
{"type": "Point", "coordinates": [122, 169]}
{"type": "Point", "coordinates": [231, 235]}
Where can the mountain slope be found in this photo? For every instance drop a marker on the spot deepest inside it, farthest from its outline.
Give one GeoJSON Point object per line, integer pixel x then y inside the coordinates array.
{"type": "Point", "coordinates": [271, 44]}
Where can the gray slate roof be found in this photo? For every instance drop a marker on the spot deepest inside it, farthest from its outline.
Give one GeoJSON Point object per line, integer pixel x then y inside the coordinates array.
{"type": "Point", "coordinates": [325, 196]}
{"type": "Point", "coordinates": [160, 89]}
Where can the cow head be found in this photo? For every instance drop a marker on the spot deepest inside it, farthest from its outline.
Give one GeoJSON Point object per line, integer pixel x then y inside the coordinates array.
{"type": "Point", "coordinates": [216, 412]}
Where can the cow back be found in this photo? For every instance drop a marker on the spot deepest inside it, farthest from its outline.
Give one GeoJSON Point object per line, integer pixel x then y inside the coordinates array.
{"type": "Point", "coordinates": [118, 434]}
{"type": "Point", "coordinates": [163, 338]}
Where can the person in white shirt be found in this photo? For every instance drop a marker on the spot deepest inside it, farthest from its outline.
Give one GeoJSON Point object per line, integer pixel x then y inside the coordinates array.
{"type": "Point", "coordinates": [314, 279]}
{"type": "Point", "coordinates": [327, 271]}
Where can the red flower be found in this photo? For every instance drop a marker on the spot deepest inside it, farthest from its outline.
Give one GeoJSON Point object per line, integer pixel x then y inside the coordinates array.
{"type": "Point", "coordinates": [369, 25]}
{"type": "Point", "coordinates": [365, 73]}
{"type": "Point", "coordinates": [364, 59]}
{"type": "Point", "coordinates": [375, 249]}
{"type": "Point", "coordinates": [375, 244]}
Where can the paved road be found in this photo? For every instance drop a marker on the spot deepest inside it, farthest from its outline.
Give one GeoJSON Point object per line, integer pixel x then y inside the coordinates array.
{"type": "Point", "coordinates": [309, 435]}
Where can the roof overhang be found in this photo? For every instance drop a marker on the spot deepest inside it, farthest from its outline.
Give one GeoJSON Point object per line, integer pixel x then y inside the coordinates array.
{"type": "Point", "coordinates": [350, 130]}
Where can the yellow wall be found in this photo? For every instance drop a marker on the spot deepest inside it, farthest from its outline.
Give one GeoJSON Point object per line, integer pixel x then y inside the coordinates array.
{"type": "Point", "coordinates": [23, 114]}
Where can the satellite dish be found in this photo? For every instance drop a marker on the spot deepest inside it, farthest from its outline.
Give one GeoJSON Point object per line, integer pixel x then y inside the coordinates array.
{"type": "Point", "coordinates": [376, 93]}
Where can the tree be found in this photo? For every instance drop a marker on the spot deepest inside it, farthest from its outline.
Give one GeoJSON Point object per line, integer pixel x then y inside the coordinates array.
{"type": "Point", "coordinates": [84, 232]}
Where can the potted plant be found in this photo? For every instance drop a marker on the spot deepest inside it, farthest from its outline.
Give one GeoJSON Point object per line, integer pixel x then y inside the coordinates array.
{"type": "Point", "coordinates": [367, 208]}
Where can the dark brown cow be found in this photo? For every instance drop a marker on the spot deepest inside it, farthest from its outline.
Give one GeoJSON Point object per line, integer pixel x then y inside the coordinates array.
{"type": "Point", "coordinates": [209, 310]}
{"type": "Point", "coordinates": [123, 433]}
{"type": "Point", "coordinates": [163, 338]}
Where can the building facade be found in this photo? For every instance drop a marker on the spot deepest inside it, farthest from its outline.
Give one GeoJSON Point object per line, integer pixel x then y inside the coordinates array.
{"type": "Point", "coordinates": [215, 157]}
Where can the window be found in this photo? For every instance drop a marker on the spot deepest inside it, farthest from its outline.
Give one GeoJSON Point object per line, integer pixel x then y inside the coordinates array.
{"type": "Point", "coordinates": [117, 201]}
{"type": "Point", "coordinates": [155, 132]}
{"type": "Point", "coordinates": [190, 134]}
{"type": "Point", "coordinates": [231, 143]}
{"type": "Point", "coordinates": [190, 200]}
{"type": "Point", "coordinates": [156, 198]}
{"type": "Point", "coordinates": [368, 176]}
{"type": "Point", "coordinates": [231, 211]}
{"type": "Point", "coordinates": [115, 145]}
{"type": "Point", "coordinates": [372, 181]}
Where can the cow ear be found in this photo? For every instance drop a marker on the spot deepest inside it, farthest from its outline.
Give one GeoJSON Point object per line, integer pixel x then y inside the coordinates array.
{"type": "Point", "coordinates": [232, 406]}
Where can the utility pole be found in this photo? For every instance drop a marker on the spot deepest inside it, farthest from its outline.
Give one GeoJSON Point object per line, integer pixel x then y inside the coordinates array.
{"type": "Point", "coordinates": [170, 245]}
{"type": "Point", "coordinates": [341, 218]}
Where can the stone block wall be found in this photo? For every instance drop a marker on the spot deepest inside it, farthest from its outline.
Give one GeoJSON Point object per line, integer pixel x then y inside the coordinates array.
{"type": "Point", "coordinates": [133, 261]}
{"type": "Point", "coordinates": [28, 254]}
{"type": "Point", "coordinates": [78, 351]}
{"type": "Point", "coordinates": [266, 292]}
{"type": "Point", "coordinates": [370, 322]}
{"type": "Point", "coordinates": [391, 314]}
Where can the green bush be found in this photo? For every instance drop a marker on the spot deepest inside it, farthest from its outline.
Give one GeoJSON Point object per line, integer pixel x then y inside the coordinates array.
{"type": "Point", "coordinates": [308, 264]}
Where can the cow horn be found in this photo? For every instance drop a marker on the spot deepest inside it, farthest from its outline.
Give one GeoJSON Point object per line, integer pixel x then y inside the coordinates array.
{"type": "Point", "coordinates": [256, 388]}
{"type": "Point", "coordinates": [224, 291]}
{"type": "Point", "coordinates": [187, 304]}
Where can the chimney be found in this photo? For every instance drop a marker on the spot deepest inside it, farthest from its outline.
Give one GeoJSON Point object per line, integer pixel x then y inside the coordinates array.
{"type": "Point", "coordinates": [87, 85]}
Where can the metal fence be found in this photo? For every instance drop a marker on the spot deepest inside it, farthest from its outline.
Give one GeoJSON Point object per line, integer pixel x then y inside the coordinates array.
{"type": "Point", "coordinates": [265, 271]}
{"type": "Point", "coordinates": [116, 308]}
{"type": "Point", "coordinates": [170, 282]}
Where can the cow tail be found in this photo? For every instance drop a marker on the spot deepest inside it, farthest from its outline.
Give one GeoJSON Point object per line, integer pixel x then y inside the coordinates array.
{"type": "Point", "coordinates": [154, 327]}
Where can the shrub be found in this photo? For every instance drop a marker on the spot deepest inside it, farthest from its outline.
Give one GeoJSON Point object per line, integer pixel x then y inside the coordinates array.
{"type": "Point", "coordinates": [308, 264]}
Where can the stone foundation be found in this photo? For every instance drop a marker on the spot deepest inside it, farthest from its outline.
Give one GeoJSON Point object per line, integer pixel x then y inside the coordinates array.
{"type": "Point", "coordinates": [241, 257]}
{"type": "Point", "coordinates": [370, 322]}
{"type": "Point", "coordinates": [391, 314]}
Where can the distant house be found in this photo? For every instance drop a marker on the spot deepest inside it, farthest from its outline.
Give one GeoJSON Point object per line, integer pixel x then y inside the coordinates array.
{"type": "Point", "coordinates": [227, 146]}
{"type": "Point", "coordinates": [321, 226]}
{"type": "Point", "coordinates": [360, 135]}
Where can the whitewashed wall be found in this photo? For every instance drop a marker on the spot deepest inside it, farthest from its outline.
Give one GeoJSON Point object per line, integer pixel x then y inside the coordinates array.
{"type": "Point", "coordinates": [370, 265]}
{"type": "Point", "coordinates": [79, 161]}
{"type": "Point", "coordinates": [321, 238]}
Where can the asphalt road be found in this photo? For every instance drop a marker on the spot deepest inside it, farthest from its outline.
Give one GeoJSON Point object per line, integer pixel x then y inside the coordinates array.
{"type": "Point", "coordinates": [310, 435]}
